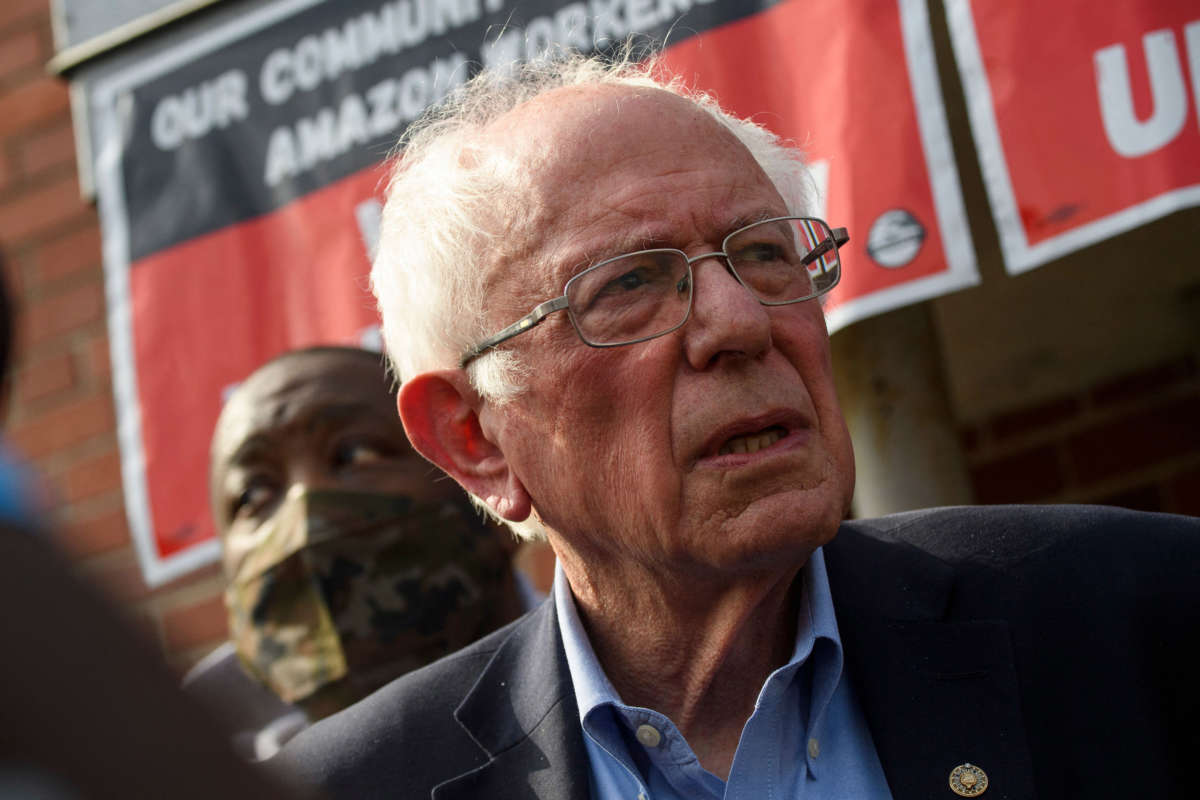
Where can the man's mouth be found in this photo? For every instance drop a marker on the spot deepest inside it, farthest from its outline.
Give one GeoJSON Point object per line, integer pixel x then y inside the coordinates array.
{"type": "Point", "coordinates": [753, 442]}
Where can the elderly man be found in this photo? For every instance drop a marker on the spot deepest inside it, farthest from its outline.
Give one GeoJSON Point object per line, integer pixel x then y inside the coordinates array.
{"type": "Point", "coordinates": [606, 291]}
{"type": "Point", "coordinates": [349, 559]}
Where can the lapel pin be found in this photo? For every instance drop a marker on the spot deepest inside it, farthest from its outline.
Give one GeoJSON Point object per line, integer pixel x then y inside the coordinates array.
{"type": "Point", "coordinates": [968, 780]}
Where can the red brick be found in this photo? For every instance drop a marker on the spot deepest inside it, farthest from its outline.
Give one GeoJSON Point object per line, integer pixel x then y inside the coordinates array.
{"type": "Point", "coordinates": [31, 103]}
{"type": "Point", "coordinates": [207, 573]}
{"type": "Point", "coordinates": [1044, 415]}
{"type": "Point", "coordinates": [13, 10]}
{"type": "Point", "coordinates": [69, 255]}
{"type": "Point", "coordinates": [14, 274]}
{"type": "Point", "coordinates": [196, 624]}
{"type": "Point", "coordinates": [44, 377]}
{"type": "Point", "coordinates": [1022, 477]}
{"type": "Point", "coordinates": [1144, 383]}
{"type": "Point", "coordinates": [37, 211]}
{"type": "Point", "coordinates": [98, 356]}
{"type": "Point", "coordinates": [124, 583]}
{"type": "Point", "coordinates": [20, 51]}
{"type": "Point", "coordinates": [61, 313]}
{"type": "Point", "coordinates": [65, 426]}
{"type": "Point", "coordinates": [52, 147]}
{"type": "Point", "coordinates": [100, 534]}
{"type": "Point", "coordinates": [95, 476]}
{"type": "Point", "coordinates": [7, 171]}
{"type": "Point", "coordinates": [1137, 440]}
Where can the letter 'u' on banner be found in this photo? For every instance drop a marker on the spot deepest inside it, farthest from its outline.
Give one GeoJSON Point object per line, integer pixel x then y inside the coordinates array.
{"type": "Point", "coordinates": [1086, 119]}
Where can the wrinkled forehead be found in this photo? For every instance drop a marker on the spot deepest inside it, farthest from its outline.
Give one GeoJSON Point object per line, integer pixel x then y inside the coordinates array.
{"type": "Point", "coordinates": [566, 136]}
{"type": "Point", "coordinates": [571, 155]}
{"type": "Point", "coordinates": [294, 388]}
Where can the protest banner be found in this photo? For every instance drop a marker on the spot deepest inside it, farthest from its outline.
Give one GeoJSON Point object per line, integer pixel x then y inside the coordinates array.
{"type": "Point", "coordinates": [1086, 119]}
{"type": "Point", "coordinates": [239, 178]}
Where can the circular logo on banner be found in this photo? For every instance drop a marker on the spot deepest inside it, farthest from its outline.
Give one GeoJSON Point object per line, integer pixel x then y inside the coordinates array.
{"type": "Point", "coordinates": [895, 238]}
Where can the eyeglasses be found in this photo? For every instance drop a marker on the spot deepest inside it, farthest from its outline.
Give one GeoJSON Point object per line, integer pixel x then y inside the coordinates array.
{"type": "Point", "coordinates": [647, 294]}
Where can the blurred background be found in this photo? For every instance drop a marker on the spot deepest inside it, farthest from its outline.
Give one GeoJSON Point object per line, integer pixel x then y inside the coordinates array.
{"type": "Point", "coordinates": [189, 188]}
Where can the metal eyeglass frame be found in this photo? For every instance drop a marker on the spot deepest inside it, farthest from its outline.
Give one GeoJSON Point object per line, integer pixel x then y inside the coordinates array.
{"type": "Point", "coordinates": [839, 238]}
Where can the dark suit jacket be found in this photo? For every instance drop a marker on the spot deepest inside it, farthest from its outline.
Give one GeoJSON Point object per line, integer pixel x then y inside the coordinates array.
{"type": "Point", "coordinates": [1051, 646]}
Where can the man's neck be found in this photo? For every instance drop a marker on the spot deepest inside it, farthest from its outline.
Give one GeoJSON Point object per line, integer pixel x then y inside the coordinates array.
{"type": "Point", "coordinates": [697, 651]}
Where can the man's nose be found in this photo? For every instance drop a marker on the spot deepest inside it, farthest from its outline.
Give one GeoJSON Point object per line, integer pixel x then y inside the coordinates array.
{"type": "Point", "coordinates": [727, 320]}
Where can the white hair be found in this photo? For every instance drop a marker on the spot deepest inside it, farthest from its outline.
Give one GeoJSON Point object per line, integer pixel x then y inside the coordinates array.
{"type": "Point", "coordinates": [442, 212]}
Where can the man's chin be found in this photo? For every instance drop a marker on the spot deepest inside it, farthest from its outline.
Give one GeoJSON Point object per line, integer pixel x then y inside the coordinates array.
{"type": "Point", "coordinates": [778, 531]}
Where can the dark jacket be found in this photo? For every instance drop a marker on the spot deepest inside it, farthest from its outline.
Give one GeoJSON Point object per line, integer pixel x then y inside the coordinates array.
{"type": "Point", "coordinates": [1051, 646]}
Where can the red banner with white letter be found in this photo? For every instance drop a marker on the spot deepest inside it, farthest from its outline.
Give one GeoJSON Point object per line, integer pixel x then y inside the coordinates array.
{"type": "Point", "coordinates": [871, 122]}
{"type": "Point", "coordinates": [1086, 116]}
{"type": "Point", "coordinates": [239, 180]}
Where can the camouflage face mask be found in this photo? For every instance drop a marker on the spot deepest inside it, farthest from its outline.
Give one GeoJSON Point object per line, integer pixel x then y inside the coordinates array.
{"type": "Point", "coordinates": [358, 588]}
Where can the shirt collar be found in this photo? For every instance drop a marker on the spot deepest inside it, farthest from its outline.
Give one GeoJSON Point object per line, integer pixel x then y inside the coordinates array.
{"type": "Point", "coordinates": [592, 687]}
{"type": "Point", "coordinates": [815, 620]}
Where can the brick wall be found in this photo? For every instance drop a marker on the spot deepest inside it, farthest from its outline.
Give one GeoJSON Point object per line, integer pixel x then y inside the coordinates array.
{"type": "Point", "coordinates": [1133, 440]}
{"type": "Point", "coordinates": [60, 407]}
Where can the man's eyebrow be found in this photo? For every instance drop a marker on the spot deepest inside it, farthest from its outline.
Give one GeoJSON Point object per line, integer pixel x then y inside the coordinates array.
{"type": "Point", "coordinates": [742, 220]}
{"type": "Point", "coordinates": [309, 419]}
{"type": "Point", "coordinates": [612, 248]}
{"type": "Point", "coordinates": [633, 242]}
{"type": "Point", "coordinates": [340, 411]}
{"type": "Point", "coordinates": [339, 415]}
{"type": "Point", "coordinates": [250, 449]}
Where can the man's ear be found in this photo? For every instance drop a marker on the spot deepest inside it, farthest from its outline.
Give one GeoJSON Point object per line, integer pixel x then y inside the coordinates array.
{"type": "Point", "coordinates": [440, 414]}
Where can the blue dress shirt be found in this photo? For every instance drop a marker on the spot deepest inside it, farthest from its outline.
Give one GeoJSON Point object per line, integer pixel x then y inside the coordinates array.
{"type": "Point", "coordinates": [806, 738]}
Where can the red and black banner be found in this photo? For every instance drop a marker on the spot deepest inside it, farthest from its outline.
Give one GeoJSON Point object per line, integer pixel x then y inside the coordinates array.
{"type": "Point", "coordinates": [239, 176]}
{"type": "Point", "coordinates": [1086, 116]}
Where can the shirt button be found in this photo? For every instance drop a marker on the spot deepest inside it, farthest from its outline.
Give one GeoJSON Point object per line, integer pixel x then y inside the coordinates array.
{"type": "Point", "coordinates": [814, 748]}
{"type": "Point", "coordinates": [648, 735]}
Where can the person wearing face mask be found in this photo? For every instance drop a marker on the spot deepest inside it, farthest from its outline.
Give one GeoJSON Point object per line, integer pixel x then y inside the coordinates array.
{"type": "Point", "coordinates": [348, 559]}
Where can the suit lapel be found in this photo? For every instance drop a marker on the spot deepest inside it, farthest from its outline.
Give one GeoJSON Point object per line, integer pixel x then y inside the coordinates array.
{"type": "Point", "coordinates": [936, 692]}
{"type": "Point", "coordinates": [522, 714]}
